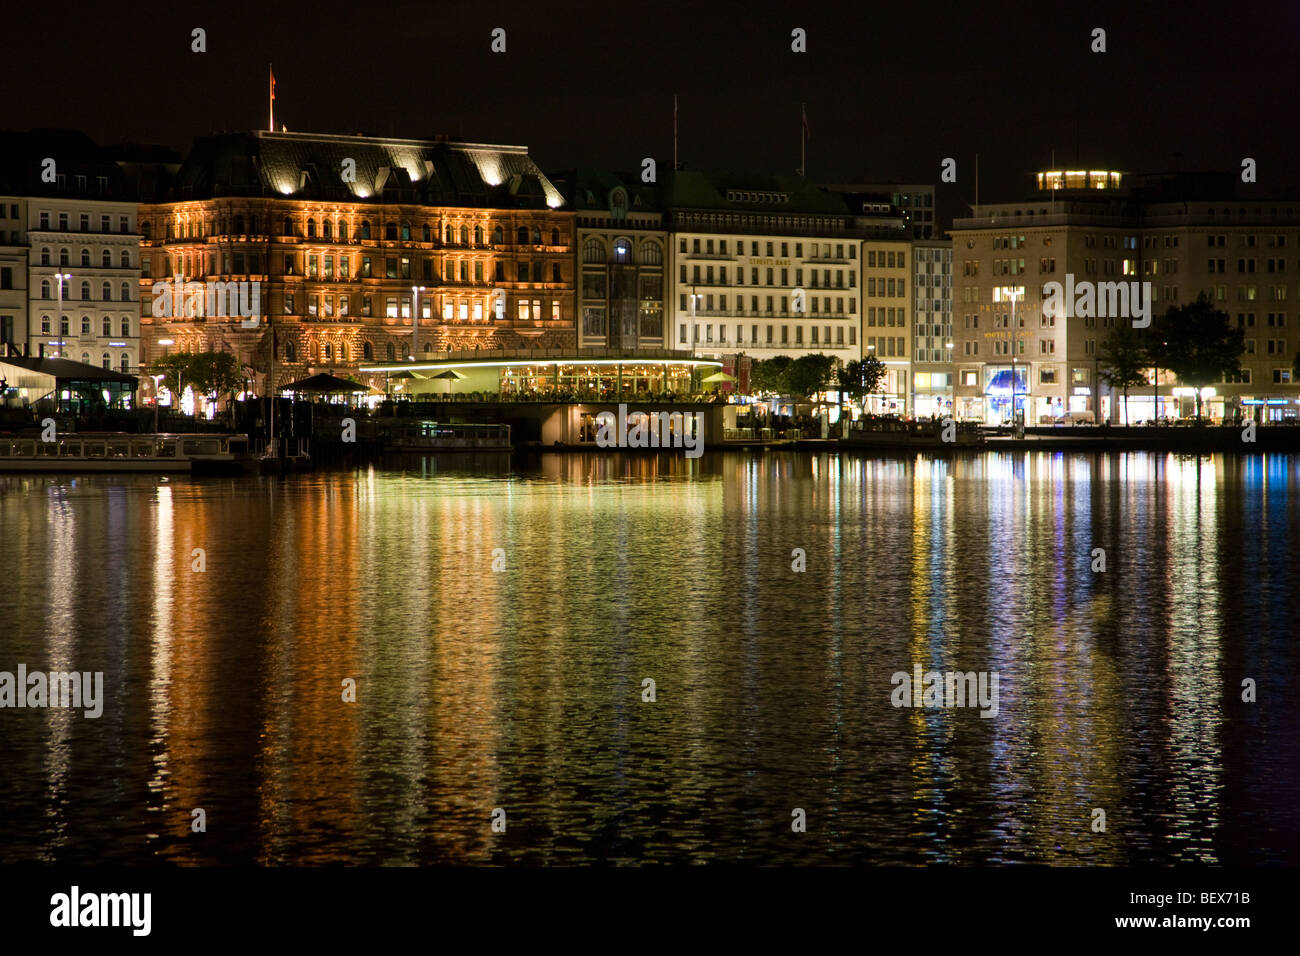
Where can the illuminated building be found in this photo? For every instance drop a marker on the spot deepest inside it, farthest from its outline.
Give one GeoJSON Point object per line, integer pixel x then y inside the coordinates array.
{"type": "Point", "coordinates": [69, 251]}
{"type": "Point", "coordinates": [1174, 231]}
{"type": "Point", "coordinates": [932, 372]}
{"type": "Point", "coordinates": [764, 265]}
{"type": "Point", "coordinates": [348, 236]}
{"type": "Point", "coordinates": [620, 253]}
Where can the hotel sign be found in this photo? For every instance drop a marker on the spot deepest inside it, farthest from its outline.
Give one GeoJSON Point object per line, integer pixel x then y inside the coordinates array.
{"type": "Point", "coordinates": [770, 262]}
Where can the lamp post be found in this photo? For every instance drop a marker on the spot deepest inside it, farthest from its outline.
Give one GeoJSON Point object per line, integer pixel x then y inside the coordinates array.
{"type": "Point", "coordinates": [415, 319]}
{"type": "Point", "coordinates": [1014, 294]}
{"type": "Point", "coordinates": [952, 382]}
{"type": "Point", "coordinates": [871, 350]}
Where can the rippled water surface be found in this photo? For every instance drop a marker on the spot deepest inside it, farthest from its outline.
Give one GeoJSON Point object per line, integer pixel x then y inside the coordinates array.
{"type": "Point", "coordinates": [522, 689]}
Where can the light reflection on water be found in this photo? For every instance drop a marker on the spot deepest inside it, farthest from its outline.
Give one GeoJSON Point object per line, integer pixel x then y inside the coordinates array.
{"type": "Point", "coordinates": [522, 689]}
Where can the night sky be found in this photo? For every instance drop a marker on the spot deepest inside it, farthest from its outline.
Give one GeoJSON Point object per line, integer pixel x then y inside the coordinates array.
{"type": "Point", "coordinates": [891, 88]}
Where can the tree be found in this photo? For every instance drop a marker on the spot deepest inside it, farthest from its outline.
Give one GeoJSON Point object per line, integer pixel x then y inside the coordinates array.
{"type": "Point", "coordinates": [768, 375]}
{"type": "Point", "coordinates": [174, 368]}
{"type": "Point", "coordinates": [860, 379]}
{"type": "Point", "coordinates": [809, 374]}
{"type": "Point", "coordinates": [1197, 343]}
{"type": "Point", "coordinates": [1124, 361]}
{"type": "Point", "coordinates": [215, 373]}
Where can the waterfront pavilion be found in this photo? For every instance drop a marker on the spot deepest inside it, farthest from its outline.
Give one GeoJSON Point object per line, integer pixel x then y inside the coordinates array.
{"type": "Point", "coordinates": [73, 387]}
{"type": "Point", "coordinates": [553, 375]}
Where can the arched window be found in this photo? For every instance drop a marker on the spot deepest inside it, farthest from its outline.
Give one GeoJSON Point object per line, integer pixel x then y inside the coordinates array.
{"type": "Point", "coordinates": [537, 236]}
{"type": "Point", "coordinates": [126, 292]}
{"type": "Point", "coordinates": [446, 236]}
{"type": "Point", "coordinates": [45, 325]}
{"type": "Point", "coordinates": [343, 230]}
{"type": "Point", "coordinates": [652, 254]}
{"type": "Point", "coordinates": [428, 349]}
{"type": "Point", "coordinates": [106, 361]}
{"type": "Point", "coordinates": [464, 235]}
{"type": "Point", "coordinates": [311, 228]}
{"type": "Point", "coordinates": [125, 363]}
{"type": "Point", "coordinates": [290, 353]}
{"type": "Point", "coordinates": [498, 236]}
{"type": "Point", "coordinates": [406, 231]}
{"type": "Point", "coordinates": [171, 230]}
{"type": "Point", "coordinates": [125, 260]}
{"type": "Point", "coordinates": [478, 235]}
{"type": "Point", "coordinates": [85, 257]}
{"type": "Point", "coordinates": [329, 352]}
{"type": "Point", "coordinates": [106, 292]}
{"type": "Point", "coordinates": [390, 232]}
{"type": "Point", "coordinates": [85, 325]}
{"type": "Point", "coordinates": [239, 226]}
{"type": "Point", "coordinates": [523, 235]}
{"type": "Point", "coordinates": [126, 327]}
{"type": "Point", "coordinates": [63, 325]}
{"type": "Point", "coordinates": [106, 259]}
{"type": "Point", "coordinates": [367, 352]}
{"type": "Point", "coordinates": [365, 228]}
{"type": "Point", "coordinates": [106, 327]}
{"type": "Point", "coordinates": [555, 237]}
{"type": "Point", "coordinates": [286, 227]}
{"type": "Point", "coordinates": [389, 351]}
{"type": "Point", "coordinates": [593, 250]}
{"type": "Point", "coordinates": [622, 250]}
{"type": "Point", "coordinates": [343, 353]}
{"type": "Point", "coordinates": [424, 233]}
{"type": "Point", "coordinates": [45, 257]}
{"type": "Point", "coordinates": [85, 358]}
{"type": "Point", "coordinates": [45, 288]}
{"type": "Point", "coordinates": [63, 257]}
{"type": "Point", "coordinates": [327, 229]}
{"type": "Point", "coordinates": [85, 290]}
{"type": "Point", "coordinates": [406, 351]}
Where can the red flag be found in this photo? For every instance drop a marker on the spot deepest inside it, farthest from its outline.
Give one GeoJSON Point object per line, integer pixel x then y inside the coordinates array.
{"type": "Point", "coordinates": [272, 72]}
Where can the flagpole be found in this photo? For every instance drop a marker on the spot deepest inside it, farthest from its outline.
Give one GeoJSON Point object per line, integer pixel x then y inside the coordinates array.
{"type": "Point", "coordinates": [803, 139]}
{"type": "Point", "coordinates": [674, 131]}
{"type": "Point", "coordinates": [270, 75]}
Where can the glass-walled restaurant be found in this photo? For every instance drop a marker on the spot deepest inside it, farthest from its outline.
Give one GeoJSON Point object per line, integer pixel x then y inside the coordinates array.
{"type": "Point", "coordinates": [559, 379]}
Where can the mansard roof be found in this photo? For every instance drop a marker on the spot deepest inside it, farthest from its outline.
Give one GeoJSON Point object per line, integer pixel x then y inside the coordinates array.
{"type": "Point", "coordinates": [389, 170]}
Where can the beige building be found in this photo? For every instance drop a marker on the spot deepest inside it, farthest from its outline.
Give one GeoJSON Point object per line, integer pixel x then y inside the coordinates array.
{"type": "Point", "coordinates": [887, 320]}
{"type": "Point", "coordinates": [1093, 229]}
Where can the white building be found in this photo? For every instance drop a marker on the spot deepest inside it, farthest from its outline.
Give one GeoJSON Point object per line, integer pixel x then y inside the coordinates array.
{"type": "Point", "coordinates": [764, 266]}
{"type": "Point", "coordinates": [932, 370]}
{"type": "Point", "coordinates": [68, 226]}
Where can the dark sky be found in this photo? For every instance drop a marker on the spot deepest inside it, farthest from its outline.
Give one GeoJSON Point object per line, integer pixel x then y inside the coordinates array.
{"type": "Point", "coordinates": [891, 88]}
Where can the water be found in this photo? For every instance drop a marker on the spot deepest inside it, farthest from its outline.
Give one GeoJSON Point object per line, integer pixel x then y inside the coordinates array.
{"type": "Point", "coordinates": [522, 689]}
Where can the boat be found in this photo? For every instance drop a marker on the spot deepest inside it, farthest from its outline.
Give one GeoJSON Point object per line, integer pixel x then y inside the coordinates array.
{"type": "Point", "coordinates": [908, 433]}
{"type": "Point", "coordinates": [426, 436]}
{"type": "Point", "coordinates": [118, 452]}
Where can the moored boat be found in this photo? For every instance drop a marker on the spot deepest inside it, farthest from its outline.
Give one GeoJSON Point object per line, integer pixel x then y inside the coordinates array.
{"type": "Point", "coordinates": [933, 434]}
{"type": "Point", "coordinates": [82, 452]}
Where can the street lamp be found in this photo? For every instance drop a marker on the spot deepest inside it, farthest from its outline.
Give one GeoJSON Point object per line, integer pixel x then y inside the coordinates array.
{"type": "Point", "coordinates": [872, 350]}
{"type": "Point", "coordinates": [1014, 294]}
{"type": "Point", "coordinates": [59, 278]}
{"type": "Point", "coordinates": [952, 381]}
{"type": "Point", "coordinates": [415, 319]}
